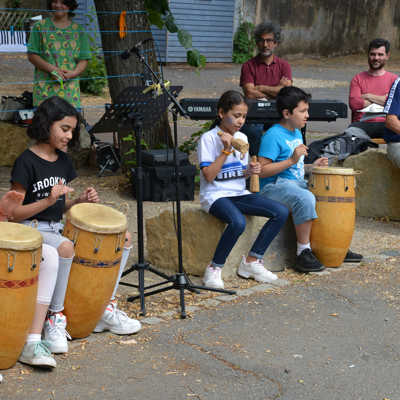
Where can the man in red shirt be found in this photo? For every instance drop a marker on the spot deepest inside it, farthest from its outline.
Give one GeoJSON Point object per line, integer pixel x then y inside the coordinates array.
{"type": "Point", "coordinates": [371, 87]}
{"type": "Point", "coordinates": [263, 76]}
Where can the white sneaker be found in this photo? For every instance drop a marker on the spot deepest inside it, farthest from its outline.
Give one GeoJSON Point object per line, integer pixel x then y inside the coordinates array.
{"type": "Point", "coordinates": [212, 277]}
{"type": "Point", "coordinates": [116, 321]}
{"type": "Point", "coordinates": [256, 271]}
{"type": "Point", "coordinates": [38, 355]}
{"type": "Point", "coordinates": [54, 333]}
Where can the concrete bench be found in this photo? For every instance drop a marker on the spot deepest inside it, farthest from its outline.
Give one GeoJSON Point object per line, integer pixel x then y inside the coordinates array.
{"type": "Point", "coordinates": [200, 235]}
{"type": "Point", "coordinates": [378, 189]}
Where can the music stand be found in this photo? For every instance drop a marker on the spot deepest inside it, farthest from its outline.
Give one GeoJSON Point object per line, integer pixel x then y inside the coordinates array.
{"type": "Point", "coordinates": [135, 110]}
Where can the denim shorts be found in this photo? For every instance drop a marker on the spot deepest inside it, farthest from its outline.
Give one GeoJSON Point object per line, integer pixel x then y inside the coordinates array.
{"type": "Point", "coordinates": [295, 196]}
{"type": "Point", "coordinates": [50, 231]}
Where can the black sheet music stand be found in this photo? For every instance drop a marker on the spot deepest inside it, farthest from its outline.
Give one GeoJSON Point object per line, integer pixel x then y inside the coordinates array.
{"type": "Point", "coordinates": [134, 110]}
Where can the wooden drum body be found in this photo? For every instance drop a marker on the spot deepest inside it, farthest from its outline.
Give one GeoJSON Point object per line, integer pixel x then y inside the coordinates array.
{"type": "Point", "coordinates": [20, 257]}
{"type": "Point", "coordinates": [98, 233]}
{"type": "Point", "coordinates": [331, 234]}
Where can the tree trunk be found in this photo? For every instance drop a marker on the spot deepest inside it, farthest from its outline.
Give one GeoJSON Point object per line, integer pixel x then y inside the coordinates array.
{"type": "Point", "coordinates": [131, 67]}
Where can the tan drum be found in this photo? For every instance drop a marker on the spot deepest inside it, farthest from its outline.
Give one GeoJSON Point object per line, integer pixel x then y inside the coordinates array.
{"type": "Point", "coordinates": [331, 234]}
{"type": "Point", "coordinates": [20, 257]}
{"type": "Point", "coordinates": [98, 233]}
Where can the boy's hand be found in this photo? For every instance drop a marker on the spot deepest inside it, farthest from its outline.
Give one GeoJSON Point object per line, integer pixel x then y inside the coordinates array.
{"type": "Point", "coordinates": [254, 168]}
{"type": "Point", "coordinates": [321, 162]}
{"type": "Point", "coordinates": [299, 151]}
{"type": "Point", "coordinates": [89, 196]}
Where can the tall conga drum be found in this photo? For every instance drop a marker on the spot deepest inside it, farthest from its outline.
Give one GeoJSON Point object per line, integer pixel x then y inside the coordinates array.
{"type": "Point", "coordinates": [20, 257]}
{"type": "Point", "coordinates": [332, 231]}
{"type": "Point", "coordinates": [98, 234]}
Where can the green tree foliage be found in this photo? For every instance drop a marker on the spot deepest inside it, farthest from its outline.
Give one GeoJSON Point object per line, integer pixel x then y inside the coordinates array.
{"type": "Point", "coordinates": [160, 15]}
{"type": "Point", "coordinates": [243, 43]}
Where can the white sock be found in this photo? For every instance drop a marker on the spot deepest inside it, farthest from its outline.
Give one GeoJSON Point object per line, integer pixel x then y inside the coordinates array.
{"type": "Point", "coordinates": [34, 338]}
{"type": "Point", "coordinates": [301, 247]}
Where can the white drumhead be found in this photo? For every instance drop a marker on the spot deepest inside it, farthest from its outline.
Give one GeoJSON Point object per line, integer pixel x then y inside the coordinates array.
{"type": "Point", "coordinates": [97, 218]}
{"type": "Point", "coordinates": [20, 237]}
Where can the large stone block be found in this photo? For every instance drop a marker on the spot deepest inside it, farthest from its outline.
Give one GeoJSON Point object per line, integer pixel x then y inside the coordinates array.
{"type": "Point", "coordinates": [200, 235]}
{"type": "Point", "coordinates": [13, 141]}
{"type": "Point", "coordinates": [378, 186]}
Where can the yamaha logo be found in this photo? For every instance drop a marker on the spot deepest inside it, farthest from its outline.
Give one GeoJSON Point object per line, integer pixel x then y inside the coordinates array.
{"type": "Point", "coordinates": [203, 109]}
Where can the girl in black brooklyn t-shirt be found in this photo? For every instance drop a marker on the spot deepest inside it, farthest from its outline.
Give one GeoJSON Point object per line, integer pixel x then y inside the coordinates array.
{"type": "Point", "coordinates": [42, 173]}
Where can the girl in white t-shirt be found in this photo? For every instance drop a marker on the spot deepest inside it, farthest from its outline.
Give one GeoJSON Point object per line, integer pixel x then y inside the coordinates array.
{"type": "Point", "coordinates": [223, 193]}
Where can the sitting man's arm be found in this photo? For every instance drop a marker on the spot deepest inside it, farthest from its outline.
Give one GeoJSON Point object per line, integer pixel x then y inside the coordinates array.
{"type": "Point", "coordinates": [374, 98]}
{"type": "Point", "coordinates": [252, 91]}
{"type": "Point", "coordinates": [356, 99]}
{"type": "Point", "coordinates": [393, 123]}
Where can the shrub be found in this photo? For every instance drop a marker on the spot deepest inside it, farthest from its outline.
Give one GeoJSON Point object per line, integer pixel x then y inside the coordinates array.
{"type": "Point", "coordinates": [97, 70]}
{"type": "Point", "coordinates": [243, 43]}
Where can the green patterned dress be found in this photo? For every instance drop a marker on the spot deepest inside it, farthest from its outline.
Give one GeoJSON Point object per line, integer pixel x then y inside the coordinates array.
{"type": "Point", "coordinates": [63, 48]}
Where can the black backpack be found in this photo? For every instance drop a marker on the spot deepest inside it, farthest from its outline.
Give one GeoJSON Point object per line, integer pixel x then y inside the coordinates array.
{"type": "Point", "coordinates": [337, 147]}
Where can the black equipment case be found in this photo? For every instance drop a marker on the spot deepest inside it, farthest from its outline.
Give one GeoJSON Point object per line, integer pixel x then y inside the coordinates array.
{"type": "Point", "coordinates": [159, 182]}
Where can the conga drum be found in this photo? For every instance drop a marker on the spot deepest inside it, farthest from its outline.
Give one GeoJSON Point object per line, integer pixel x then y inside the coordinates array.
{"type": "Point", "coordinates": [20, 257]}
{"type": "Point", "coordinates": [332, 231]}
{"type": "Point", "coordinates": [98, 234]}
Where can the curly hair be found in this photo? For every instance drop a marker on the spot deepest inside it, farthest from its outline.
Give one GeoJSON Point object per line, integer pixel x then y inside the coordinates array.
{"type": "Point", "coordinates": [267, 27]}
{"type": "Point", "coordinates": [71, 4]}
{"type": "Point", "coordinates": [49, 111]}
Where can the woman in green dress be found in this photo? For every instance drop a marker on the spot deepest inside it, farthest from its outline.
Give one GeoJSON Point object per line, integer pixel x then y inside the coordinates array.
{"type": "Point", "coordinates": [59, 49]}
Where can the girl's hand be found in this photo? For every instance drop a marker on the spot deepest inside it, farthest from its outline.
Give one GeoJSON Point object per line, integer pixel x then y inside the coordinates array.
{"type": "Point", "coordinates": [60, 73]}
{"type": "Point", "coordinates": [69, 74]}
{"type": "Point", "coordinates": [8, 202]}
{"type": "Point", "coordinates": [254, 168]}
{"type": "Point", "coordinates": [226, 139]}
{"type": "Point", "coordinates": [321, 162]}
{"type": "Point", "coordinates": [57, 191]}
{"type": "Point", "coordinates": [89, 196]}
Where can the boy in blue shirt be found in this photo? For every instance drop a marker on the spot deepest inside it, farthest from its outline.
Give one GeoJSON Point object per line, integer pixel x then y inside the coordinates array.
{"type": "Point", "coordinates": [281, 156]}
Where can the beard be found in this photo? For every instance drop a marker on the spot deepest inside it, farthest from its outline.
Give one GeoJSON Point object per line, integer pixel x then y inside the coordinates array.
{"type": "Point", "coordinates": [376, 65]}
{"type": "Point", "coordinates": [266, 52]}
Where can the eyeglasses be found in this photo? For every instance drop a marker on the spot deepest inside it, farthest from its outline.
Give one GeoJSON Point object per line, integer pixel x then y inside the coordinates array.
{"type": "Point", "coordinates": [268, 41]}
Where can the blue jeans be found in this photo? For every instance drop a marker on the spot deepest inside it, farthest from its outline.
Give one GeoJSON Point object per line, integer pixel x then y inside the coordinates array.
{"type": "Point", "coordinates": [232, 209]}
{"type": "Point", "coordinates": [294, 195]}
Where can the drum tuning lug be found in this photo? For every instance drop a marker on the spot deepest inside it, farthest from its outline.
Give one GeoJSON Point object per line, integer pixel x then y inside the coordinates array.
{"type": "Point", "coordinates": [96, 250]}
{"type": "Point", "coordinates": [33, 267]}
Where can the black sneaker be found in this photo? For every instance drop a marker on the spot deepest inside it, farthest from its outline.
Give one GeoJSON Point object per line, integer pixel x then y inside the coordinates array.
{"type": "Point", "coordinates": [352, 257]}
{"type": "Point", "coordinates": [307, 262]}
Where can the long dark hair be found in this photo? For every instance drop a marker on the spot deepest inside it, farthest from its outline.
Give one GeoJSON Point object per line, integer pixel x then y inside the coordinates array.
{"type": "Point", "coordinates": [226, 102]}
{"type": "Point", "coordinates": [49, 111]}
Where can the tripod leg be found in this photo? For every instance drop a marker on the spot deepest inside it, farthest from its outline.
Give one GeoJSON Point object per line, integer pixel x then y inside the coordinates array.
{"type": "Point", "coordinates": [141, 292]}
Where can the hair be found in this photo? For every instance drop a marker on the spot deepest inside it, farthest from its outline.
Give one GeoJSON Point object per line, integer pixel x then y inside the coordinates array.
{"type": "Point", "coordinates": [289, 98]}
{"type": "Point", "coordinates": [226, 102]}
{"type": "Point", "coordinates": [267, 27]}
{"type": "Point", "coordinates": [49, 111]}
{"type": "Point", "coordinates": [71, 4]}
{"type": "Point", "coordinates": [376, 43]}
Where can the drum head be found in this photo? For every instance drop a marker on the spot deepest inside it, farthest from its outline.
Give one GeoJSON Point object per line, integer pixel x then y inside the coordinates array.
{"type": "Point", "coordinates": [333, 171]}
{"type": "Point", "coordinates": [97, 218]}
{"type": "Point", "coordinates": [19, 237]}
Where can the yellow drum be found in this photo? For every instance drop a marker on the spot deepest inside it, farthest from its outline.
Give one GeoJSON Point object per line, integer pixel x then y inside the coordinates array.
{"type": "Point", "coordinates": [331, 234]}
{"type": "Point", "coordinates": [98, 233]}
{"type": "Point", "coordinates": [20, 257]}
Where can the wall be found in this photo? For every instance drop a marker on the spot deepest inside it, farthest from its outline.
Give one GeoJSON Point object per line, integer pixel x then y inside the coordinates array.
{"type": "Point", "coordinates": [328, 27]}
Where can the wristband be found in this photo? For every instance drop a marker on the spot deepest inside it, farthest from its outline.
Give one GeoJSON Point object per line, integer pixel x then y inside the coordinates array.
{"type": "Point", "coordinates": [226, 152]}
